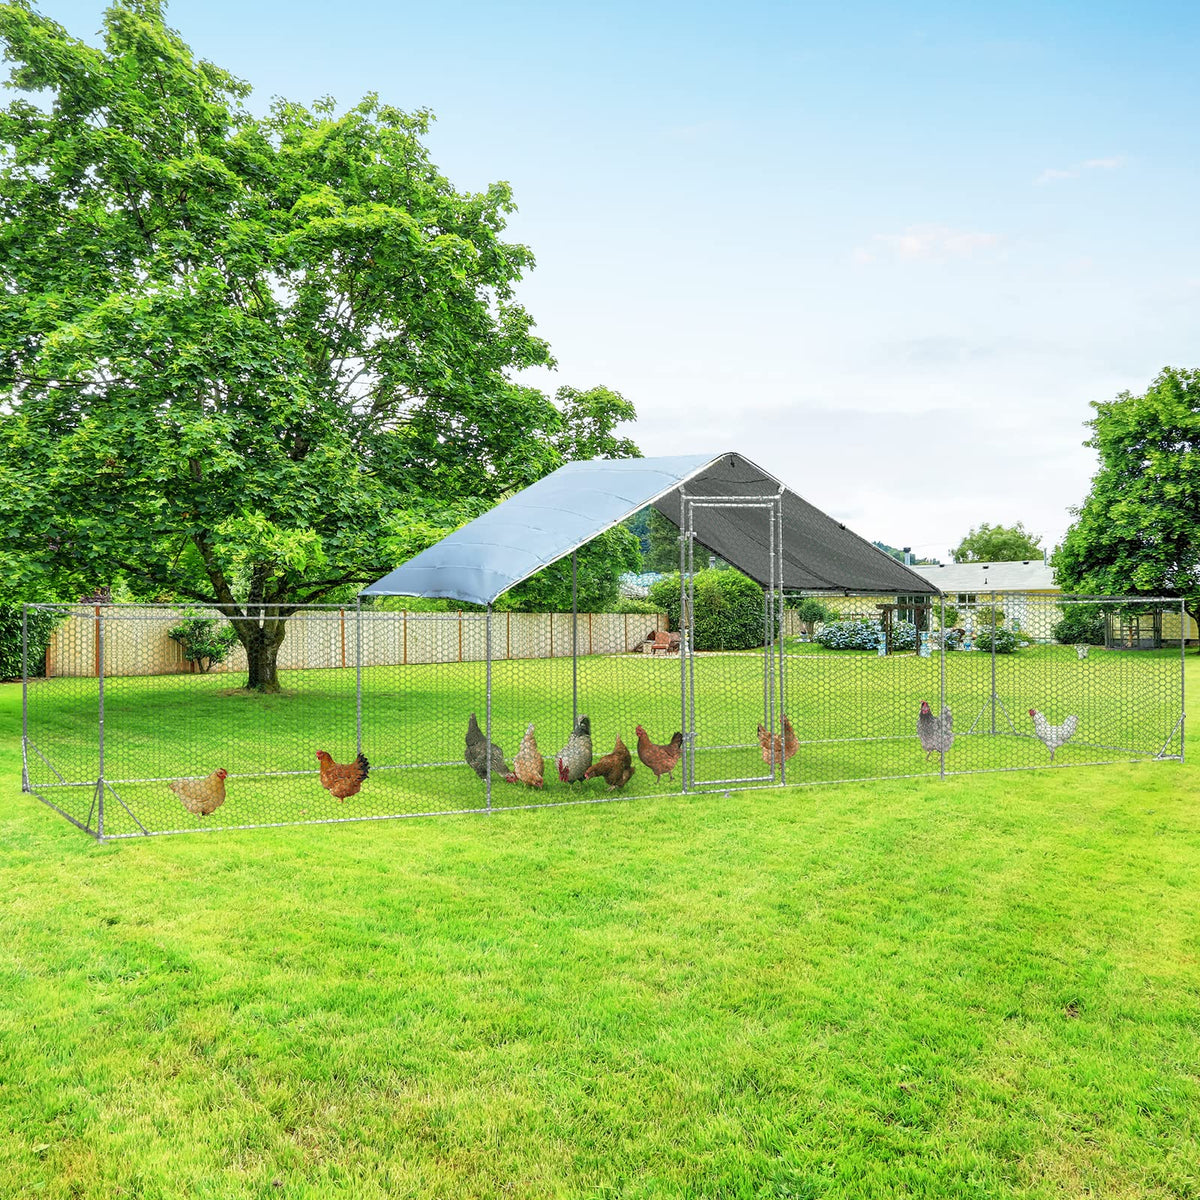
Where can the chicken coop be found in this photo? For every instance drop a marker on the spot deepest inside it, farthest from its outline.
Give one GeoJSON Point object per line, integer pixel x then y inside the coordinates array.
{"type": "Point", "coordinates": [847, 666]}
{"type": "Point", "coordinates": [1125, 630]}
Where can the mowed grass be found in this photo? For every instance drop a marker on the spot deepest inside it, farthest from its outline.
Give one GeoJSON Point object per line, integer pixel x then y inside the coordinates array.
{"type": "Point", "coordinates": [855, 715]}
{"type": "Point", "coordinates": [980, 986]}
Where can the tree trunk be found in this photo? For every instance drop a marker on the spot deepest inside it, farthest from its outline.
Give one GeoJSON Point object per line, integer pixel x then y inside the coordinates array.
{"type": "Point", "coordinates": [262, 642]}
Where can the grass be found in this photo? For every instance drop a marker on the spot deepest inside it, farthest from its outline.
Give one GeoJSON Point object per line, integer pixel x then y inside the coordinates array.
{"type": "Point", "coordinates": [983, 986]}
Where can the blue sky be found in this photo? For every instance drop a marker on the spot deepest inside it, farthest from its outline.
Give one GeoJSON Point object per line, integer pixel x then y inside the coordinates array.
{"type": "Point", "coordinates": [890, 252]}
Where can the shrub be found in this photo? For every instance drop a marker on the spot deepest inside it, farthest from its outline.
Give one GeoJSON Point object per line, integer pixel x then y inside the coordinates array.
{"type": "Point", "coordinates": [1006, 640]}
{"type": "Point", "coordinates": [810, 612]}
{"type": "Point", "coordinates": [729, 608]}
{"type": "Point", "coordinates": [205, 640]}
{"type": "Point", "coordinates": [40, 625]}
{"type": "Point", "coordinates": [630, 604]}
{"type": "Point", "coordinates": [989, 615]}
{"type": "Point", "coordinates": [1082, 624]}
{"type": "Point", "coordinates": [863, 634]}
{"type": "Point", "coordinates": [949, 618]}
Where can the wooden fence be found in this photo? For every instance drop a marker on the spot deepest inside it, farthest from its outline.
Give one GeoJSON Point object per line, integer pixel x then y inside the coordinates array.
{"type": "Point", "coordinates": [136, 640]}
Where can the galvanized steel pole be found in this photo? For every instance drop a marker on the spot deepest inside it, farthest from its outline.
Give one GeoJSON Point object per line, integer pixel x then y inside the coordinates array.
{"type": "Point", "coordinates": [24, 697]}
{"type": "Point", "coordinates": [488, 748]}
{"type": "Point", "coordinates": [358, 671]}
{"type": "Point", "coordinates": [942, 683]}
{"type": "Point", "coordinates": [100, 677]}
{"type": "Point", "coordinates": [574, 640]}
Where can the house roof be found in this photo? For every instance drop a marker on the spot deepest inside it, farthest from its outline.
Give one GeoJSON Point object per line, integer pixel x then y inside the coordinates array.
{"type": "Point", "coordinates": [1029, 575]}
{"type": "Point", "coordinates": [555, 516]}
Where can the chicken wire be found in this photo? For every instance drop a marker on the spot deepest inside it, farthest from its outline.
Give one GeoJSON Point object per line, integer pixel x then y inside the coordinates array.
{"type": "Point", "coordinates": [113, 716]}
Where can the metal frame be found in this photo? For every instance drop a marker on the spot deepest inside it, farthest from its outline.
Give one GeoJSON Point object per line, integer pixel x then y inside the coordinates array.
{"type": "Point", "coordinates": [42, 777]}
{"type": "Point", "coordinates": [773, 644]}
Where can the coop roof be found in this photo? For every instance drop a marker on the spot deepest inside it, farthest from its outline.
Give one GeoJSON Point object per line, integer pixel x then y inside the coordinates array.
{"type": "Point", "coordinates": [555, 516]}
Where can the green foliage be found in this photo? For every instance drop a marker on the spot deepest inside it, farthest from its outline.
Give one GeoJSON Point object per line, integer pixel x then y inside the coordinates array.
{"type": "Point", "coordinates": [659, 540]}
{"type": "Point", "coordinates": [1081, 624]}
{"type": "Point", "coordinates": [948, 618]}
{"type": "Point", "coordinates": [204, 640]}
{"type": "Point", "coordinates": [998, 543]}
{"type": "Point", "coordinates": [630, 604]}
{"type": "Point", "coordinates": [600, 564]}
{"type": "Point", "coordinates": [40, 625]}
{"type": "Point", "coordinates": [810, 610]}
{"type": "Point", "coordinates": [247, 360]}
{"type": "Point", "coordinates": [987, 616]}
{"type": "Point", "coordinates": [1139, 528]}
{"type": "Point", "coordinates": [729, 608]}
{"type": "Point", "coordinates": [587, 423]}
{"type": "Point", "coordinates": [1006, 640]}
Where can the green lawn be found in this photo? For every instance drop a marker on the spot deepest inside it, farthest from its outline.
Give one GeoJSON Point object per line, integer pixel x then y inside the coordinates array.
{"type": "Point", "coordinates": [984, 986]}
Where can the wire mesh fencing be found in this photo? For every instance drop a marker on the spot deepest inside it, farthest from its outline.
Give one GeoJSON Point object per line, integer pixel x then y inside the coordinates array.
{"type": "Point", "coordinates": [126, 738]}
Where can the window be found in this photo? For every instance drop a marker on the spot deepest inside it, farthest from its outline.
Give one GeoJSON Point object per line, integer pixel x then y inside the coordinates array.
{"type": "Point", "coordinates": [967, 598]}
{"type": "Point", "coordinates": [914, 609]}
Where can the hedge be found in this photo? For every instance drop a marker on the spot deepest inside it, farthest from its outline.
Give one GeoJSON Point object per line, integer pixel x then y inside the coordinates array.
{"type": "Point", "coordinates": [729, 608]}
{"type": "Point", "coordinates": [41, 623]}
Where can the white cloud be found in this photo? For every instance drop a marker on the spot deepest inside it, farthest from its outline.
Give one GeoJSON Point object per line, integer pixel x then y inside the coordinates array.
{"type": "Point", "coordinates": [930, 243]}
{"type": "Point", "coordinates": [1050, 174]}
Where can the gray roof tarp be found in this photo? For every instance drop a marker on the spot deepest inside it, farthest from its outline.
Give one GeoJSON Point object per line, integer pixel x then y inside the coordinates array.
{"type": "Point", "coordinates": [558, 514]}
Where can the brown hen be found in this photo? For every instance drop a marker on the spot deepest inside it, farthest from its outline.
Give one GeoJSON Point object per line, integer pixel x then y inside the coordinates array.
{"type": "Point", "coordinates": [342, 779]}
{"type": "Point", "coordinates": [771, 750]}
{"type": "Point", "coordinates": [616, 769]}
{"type": "Point", "coordinates": [660, 759]}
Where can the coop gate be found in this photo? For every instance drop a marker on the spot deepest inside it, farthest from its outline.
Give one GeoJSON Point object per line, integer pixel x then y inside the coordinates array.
{"type": "Point", "coordinates": [716, 714]}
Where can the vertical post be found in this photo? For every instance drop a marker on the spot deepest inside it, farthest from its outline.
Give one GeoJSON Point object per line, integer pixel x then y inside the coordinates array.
{"type": "Point", "coordinates": [100, 724]}
{"type": "Point", "coordinates": [357, 666]}
{"type": "Point", "coordinates": [508, 634]}
{"type": "Point", "coordinates": [460, 621]}
{"type": "Point", "coordinates": [781, 637]}
{"type": "Point", "coordinates": [691, 664]}
{"type": "Point", "coordinates": [96, 642]}
{"type": "Point", "coordinates": [342, 623]}
{"type": "Point", "coordinates": [683, 643]}
{"type": "Point", "coordinates": [942, 672]}
{"type": "Point", "coordinates": [768, 658]}
{"type": "Point", "coordinates": [488, 655]}
{"type": "Point", "coordinates": [404, 622]}
{"type": "Point", "coordinates": [24, 697]}
{"type": "Point", "coordinates": [1183, 618]}
{"type": "Point", "coordinates": [574, 640]}
{"type": "Point", "coordinates": [993, 620]}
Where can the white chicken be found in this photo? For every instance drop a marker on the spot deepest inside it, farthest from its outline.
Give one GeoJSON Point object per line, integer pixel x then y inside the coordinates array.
{"type": "Point", "coordinates": [936, 733]}
{"type": "Point", "coordinates": [1053, 736]}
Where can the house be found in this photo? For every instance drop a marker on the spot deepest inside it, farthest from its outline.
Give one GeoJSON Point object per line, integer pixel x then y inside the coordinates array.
{"type": "Point", "coordinates": [1025, 591]}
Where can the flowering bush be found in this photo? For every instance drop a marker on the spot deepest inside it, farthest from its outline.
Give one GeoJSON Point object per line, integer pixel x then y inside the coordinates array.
{"type": "Point", "coordinates": [864, 634]}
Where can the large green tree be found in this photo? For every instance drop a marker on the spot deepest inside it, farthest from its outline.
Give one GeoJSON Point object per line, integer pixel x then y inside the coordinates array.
{"type": "Point", "coordinates": [246, 361]}
{"type": "Point", "coordinates": [998, 543]}
{"type": "Point", "coordinates": [1139, 528]}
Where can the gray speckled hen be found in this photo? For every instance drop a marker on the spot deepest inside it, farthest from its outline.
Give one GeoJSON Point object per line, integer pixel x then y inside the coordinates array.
{"type": "Point", "coordinates": [477, 752]}
{"type": "Point", "coordinates": [576, 756]}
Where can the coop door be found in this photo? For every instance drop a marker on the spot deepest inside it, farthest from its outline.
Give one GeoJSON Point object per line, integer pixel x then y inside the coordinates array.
{"type": "Point", "coordinates": [730, 646]}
